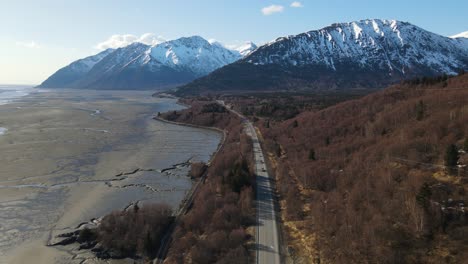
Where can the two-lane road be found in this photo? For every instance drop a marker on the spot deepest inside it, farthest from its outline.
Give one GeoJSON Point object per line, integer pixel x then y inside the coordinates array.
{"type": "Point", "coordinates": [267, 227]}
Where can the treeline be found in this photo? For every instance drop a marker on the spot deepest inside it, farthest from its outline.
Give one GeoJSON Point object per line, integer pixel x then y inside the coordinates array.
{"type": "Point", "coordinates": [215, 228]}
{"type": "Point", "coordinates": [426, 80]}
{"type": "Point", "coordinates": [381, 179]}
{"type": "Point", "coordinates": [134, 233]}
{"type": "Point", "coordinates": [282, 106]}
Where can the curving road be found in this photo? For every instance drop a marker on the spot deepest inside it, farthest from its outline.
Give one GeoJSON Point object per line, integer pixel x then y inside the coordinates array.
{"type": "Point", "coordinates": [267, 241]}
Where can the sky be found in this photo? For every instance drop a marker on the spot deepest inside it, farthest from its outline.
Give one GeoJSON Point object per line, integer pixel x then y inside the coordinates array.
{"type": "Point", "coordinates": [37, 37]}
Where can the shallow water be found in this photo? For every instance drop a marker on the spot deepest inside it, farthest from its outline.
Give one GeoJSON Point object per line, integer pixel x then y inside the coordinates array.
{"type": "Point", "coordinates": [9, 93]}
{"type": "Point", "coordinates": [71, 156]}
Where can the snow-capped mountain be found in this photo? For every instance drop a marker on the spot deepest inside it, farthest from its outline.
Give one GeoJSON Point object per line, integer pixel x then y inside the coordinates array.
{"type": "Point", "coordinates": [193, 54]}
{"type": "Point", "coordinates": [363, 54]}
{"type": "Point", "coordinates": [141, 66]}
{"type": "Point", "coordinates": [246, 48]}
{"type": "Point", "coordinates": [390, 45]}
{"type": "Point", "coordinates": [75, 71]}
{"type": "Point", "coordinates": [461, 35]}
{"type": "Point", "coordinates": [462, 39]}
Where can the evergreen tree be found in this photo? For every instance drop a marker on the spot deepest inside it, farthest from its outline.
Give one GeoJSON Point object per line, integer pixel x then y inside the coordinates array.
{"type": "Point", "coordinates": [424, 195]}
{"type": "Point", "coordinates": [295, 123]}
{"type": "Point", "coordinates": [148, 244]}
{"type": "Point", "coordinates": [239, 176]}
{"type": "Point", "coordinates": [312, 154]}
{"type": "Point", "coordinates": [451, 157]}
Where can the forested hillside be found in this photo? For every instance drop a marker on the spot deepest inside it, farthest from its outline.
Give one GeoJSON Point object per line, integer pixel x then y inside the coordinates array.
{"type": "Point", "coordinates": [380, 179]}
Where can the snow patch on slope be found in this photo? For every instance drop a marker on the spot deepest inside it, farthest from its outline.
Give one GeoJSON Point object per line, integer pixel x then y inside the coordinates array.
{"type": "Point", "coordinates": [386, 44]}
{"type": "Point", "coordinates": [86, 64]}
{"type": "Point", "coordinates": [194, 54]}
{"type": "Point", "coordinates": [461, 35]}
{"type": "Point", "coordinates": [246, 48]}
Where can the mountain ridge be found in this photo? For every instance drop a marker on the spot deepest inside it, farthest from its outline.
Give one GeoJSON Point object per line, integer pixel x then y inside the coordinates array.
{"type": "Point", "coordinates": [371, 53]}
{"type": "Point", "coordinates": [142, 66]}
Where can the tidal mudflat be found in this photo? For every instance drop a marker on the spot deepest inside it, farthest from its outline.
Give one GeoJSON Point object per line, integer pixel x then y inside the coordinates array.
{"type": "Point", "coordinates": [67, 157]}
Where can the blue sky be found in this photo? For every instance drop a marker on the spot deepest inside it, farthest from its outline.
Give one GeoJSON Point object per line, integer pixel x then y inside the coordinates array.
{"type": "Point", "coordinates": [39, 36]}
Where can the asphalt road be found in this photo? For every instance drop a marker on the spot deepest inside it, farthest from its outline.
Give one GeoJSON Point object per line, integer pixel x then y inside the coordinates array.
{"type": "Point", "coordinates": [267, 241]}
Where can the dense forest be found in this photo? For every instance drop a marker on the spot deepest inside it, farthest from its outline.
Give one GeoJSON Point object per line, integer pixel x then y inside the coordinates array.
{"type": "Point", "coordinates": [380, 179]}
{"type": "Point", "coordinates": [286, 105]}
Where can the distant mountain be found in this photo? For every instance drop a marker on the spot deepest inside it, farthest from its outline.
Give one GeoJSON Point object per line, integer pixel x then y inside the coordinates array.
{"type": "Point", "coordinates": [194, 54]}
{"type": "Point", "coordinates": [363, 54]}
{"type": "Point", "coordinates": [246, 48]}
{"type": "Point", "coordinates": [140, 66]}
{"type": "Point", "coordinates": [75, 71]}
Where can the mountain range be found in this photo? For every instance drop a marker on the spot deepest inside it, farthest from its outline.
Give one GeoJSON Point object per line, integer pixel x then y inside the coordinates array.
{"type": "Point", "coordinates": [370, 53]}
{"type": "Point", "coordinates": [140, 66]}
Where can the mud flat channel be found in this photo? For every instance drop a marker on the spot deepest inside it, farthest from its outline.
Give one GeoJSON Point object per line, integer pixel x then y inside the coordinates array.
{"type": "Point", "coordinates": [69, 156]}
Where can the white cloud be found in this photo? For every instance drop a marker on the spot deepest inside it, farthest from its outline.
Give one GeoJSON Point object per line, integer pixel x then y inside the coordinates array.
{"type": "Point", "coordinates": [237, 44]}
{"type": "Point", "coordinates": [31, 44]}
{"type": "Point", "coordinates": [231, 46]}
{"type": "Point", "coordinates": [151, 39]}
{"type": "Point", "coordinates": [213, 41]}
{"type": "Point", "coordinates": [296, 4]}
{"type": "Point", "coordinates": [269, 10]}
{"type": "Point", "coordinates": [119, 41]}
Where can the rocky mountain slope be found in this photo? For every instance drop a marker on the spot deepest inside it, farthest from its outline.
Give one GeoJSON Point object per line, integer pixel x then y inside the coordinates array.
{"type": "Point", "coordinates": [363, 54]}
{"type": "Point", "coordinates": [140, 66]}
{"type": "Point", "coordinates": [75, 71]}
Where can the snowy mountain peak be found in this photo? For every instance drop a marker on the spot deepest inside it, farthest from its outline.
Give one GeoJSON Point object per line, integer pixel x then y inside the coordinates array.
{"type": "Point", "coordinates": [167, 63]}
{"type": "Point", "coordinates": [246, 48]}
{"type": "Point", "coordinates": [388, 45]}
{"type": "Point", "coordinates": [363, 53]}
{"type": "Point", "coordinates": [194, 54]}
{"type": "Point", "coordinates": [460, 35]}
{"type": "Point", "coordinates": [243, 49]}
{"type": "Point", "coordinates": [371, 53]}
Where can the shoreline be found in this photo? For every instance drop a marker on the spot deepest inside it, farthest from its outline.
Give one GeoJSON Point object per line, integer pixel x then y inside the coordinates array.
{"type": "Point", "coordinates": [222, 131]}
{"type": "Point", "coordinates": [182, 208]}
{"type": "Point", "coordinates": [188, 199]}
{"type": "Point", "coordinates": [149, 145]}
